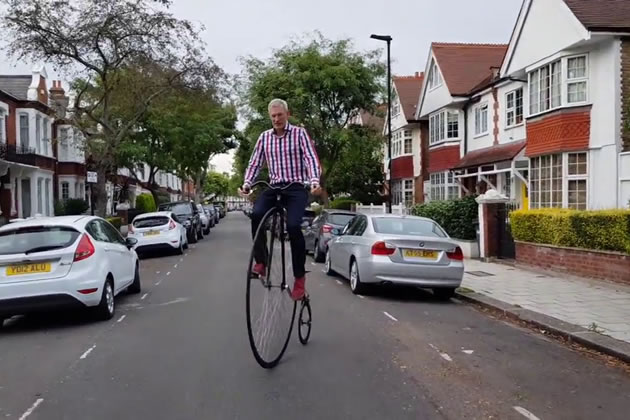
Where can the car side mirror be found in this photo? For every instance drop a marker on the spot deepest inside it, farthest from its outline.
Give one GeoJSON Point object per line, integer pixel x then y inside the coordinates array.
{"type": "Point", "coordinates": [131, 242]}
{"type": "Point", "coordinates": [336, 232]}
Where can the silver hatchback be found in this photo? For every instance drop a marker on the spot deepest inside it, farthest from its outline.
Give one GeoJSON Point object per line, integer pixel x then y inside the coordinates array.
{"type": "Point", "coordinates": [392, 249]}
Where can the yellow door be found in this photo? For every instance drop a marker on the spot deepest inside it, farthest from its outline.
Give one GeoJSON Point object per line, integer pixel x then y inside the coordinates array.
{"type": "Point", "coordinates": [524, 194]}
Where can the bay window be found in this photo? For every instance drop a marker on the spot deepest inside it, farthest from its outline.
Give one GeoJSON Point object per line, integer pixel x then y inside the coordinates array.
{"type": "Point", "coordinates": [443, 126]}
{"type": "Point", "coordinates": [514, 108]}
{"type": "Point", "coordinates": [402, 192]}
{"type": "Point", "coordinates": [481, 119]}
{"type": "Point", "coordinates": [550, 88]}
{"type": "Point", "coordinates": [443, 186]}
{"type": "Point", "coordinates": [559, 181]}
{"type": "Point", "coordinates": [402, 143]}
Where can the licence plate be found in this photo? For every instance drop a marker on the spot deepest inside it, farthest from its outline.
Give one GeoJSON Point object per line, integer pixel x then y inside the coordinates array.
{"type": "Point", "coordinates": [151, 233]}
{"type": "Point", "coordinates": [420, 253]}
{"type": "Point", "coordinates": [16, 270]}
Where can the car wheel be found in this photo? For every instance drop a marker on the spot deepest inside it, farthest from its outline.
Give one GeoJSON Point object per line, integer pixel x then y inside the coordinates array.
{"type": "Point", "coordinates": [106, 308]}
{"type": "Point", "coordinates": [328, 265]}
{"type": "Point", "coordinates": [355, 279]}
{"type": "Point", "coordinates": [193, 238]}
{"type": "Point", "coordinates": [318, 255]}
{"type": "Point", "coordinates": [200, 233]}
{"type": "Point", "coordinates": [135, 287]}
{"type": "Point", "coordinates": [180, 249]}
{"type": "Point", "coordinates": [207, 231]}
{"type": "Point", "coordinates": [2, 319]}
{"type": "Point", "coordinates": [444, 293]}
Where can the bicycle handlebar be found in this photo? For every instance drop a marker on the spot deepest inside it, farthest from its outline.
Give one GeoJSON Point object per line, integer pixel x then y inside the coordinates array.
{"type": "Point", "coordinates": [265, 183]}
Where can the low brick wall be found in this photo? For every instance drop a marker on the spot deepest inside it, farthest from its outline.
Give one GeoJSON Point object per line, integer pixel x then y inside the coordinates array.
{"type": "Point", "coordinates": [603, 265]}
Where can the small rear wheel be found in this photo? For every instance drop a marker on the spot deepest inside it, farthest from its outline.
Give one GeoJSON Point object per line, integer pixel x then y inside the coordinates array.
{"type": "Point", "coordinates": [304, 322]}
{"type": "Point", "coordinates": [318, 255]}
{"type": "Point", "coordinates": [444, 293]}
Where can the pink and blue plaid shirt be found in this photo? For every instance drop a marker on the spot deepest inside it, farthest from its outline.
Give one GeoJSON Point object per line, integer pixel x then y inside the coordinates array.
{"type": "Point", "coordinates": [290, 158]}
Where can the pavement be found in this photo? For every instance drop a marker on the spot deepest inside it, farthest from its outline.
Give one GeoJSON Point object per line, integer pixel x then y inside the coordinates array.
{"type": "Point", "coordinates": [594, 313]}
{"type": "Point", "coordinates": [180, 350]}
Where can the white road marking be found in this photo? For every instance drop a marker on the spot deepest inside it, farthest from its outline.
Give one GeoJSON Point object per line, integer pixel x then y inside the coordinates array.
{"type": "Point", "coordinates": [158, 283]}
{"type": "Point", "coordinates": [30, 410]}
{"type": "Point", "coordinates": [468, 351]}
{"type": "Point", "coordinates": [338, 282]}
{"type": "Point", "coordinates": [157, 272]}
{"type": "Point", "coordinates": [181, 259]}
{"type": "Point", "coordinates": [175, 266]}
{"type": "Point", "coordinates": [361, 296]}
{"type": "Point", "coordinates": [389, 316]}
{"type": "Point", "coordinates": [144, 296]}
{"type": "Point", "coordinates": [446, 357]}
{"type": "Point", "coordinates": [527, 414]}
{"type": "Point", "coordinates": [313, 263]}
{"type": "Point", "coordinates": [121, 318]}
{"type": "Point", "coordinates": [168, 274]}
{"type": "Point", "coordinates": [87, 352]}
{"type": "Point", "coordinates": [172, 302]}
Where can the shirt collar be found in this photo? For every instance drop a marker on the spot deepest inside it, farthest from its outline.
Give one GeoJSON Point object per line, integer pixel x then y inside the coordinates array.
{"type": "Point", "coordinates": [287, 128]}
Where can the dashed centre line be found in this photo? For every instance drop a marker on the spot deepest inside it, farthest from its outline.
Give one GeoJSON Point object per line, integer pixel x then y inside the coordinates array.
{"type": "Point", "coordinates": [175, 266]}
{"type": "Point", "coordinates": [388, 315]}
{"type": "Point", "coordinates": [87, 352]}
{"type": "Point", "coordinates": [525, 413]}
{"type": "Point", "coordinates": [32, 409]}
{"type": "Point", "coordinates": [158, 282]}
{"type": "Point", "coordinates": [339, 282]}
{"type": "Point", "coordinates": [144, 296]}
{"type": "Point", "coordinates": [168, 274]}
{"type": "Point", "coordinates": [121, 319]}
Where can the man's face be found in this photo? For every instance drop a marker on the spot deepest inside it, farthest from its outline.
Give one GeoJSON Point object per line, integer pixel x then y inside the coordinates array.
{"type": "Point", "coordinates": [278, 117]}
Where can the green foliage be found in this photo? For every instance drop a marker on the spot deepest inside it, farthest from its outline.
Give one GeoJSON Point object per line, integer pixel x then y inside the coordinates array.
{"type": "Point", "coordinates": [145, 203]}
{"type": "Point", "coordinates": [115, 221]}
{"type": "Point", "coordinates": [162, 198]}
{"type": "Point", "coordinates": [217, 184]}
{"type": "Point", "coordinates": [60, 208]}
{"type": "Point", "coordinates": [457, 217]}
{"type": "Point", "coordinates": [606, 230]}
{"type": "Point", "coordinates": [75, 206]}
{"type": "Point", "coordinates": [342, 203]}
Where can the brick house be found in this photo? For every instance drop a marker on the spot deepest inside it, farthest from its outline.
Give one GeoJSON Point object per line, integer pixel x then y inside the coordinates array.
{"type": "Point", "coordinates": [575, 57]}
{"type": "Point", "coordinates": [27, 160]}
{"type": "Point", "coordinates": [407, 171]}
{"type": "Point", "coordinates": [459, 103]}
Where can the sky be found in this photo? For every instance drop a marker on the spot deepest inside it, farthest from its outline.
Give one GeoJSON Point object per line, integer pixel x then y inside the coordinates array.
{"type": "Point", "coordinates": [240, 28]}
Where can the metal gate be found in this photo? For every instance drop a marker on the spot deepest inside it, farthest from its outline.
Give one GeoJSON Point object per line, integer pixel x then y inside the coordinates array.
{"type": "Point", "coordinates": [505, 246]}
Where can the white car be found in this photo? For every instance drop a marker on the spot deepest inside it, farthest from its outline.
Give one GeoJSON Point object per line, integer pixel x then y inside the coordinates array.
{"type": "Point", "coordinates": [69, 261]}
{"type": "Point", "coordinates": [158, 231]}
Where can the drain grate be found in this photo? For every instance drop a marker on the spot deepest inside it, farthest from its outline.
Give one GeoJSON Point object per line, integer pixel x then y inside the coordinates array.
{"type": "Point", "coordinates": [480, 273]}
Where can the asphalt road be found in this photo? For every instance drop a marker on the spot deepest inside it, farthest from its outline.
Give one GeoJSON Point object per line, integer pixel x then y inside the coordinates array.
{"type": "Point", "coordinates": [179, 350]}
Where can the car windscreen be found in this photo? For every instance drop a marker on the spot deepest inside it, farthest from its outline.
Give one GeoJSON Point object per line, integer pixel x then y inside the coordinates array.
{"type": "Point", "coordinates": [178, 208]}
{"type": "Point", "coordinates": [34, 239]}
{"type": "Point", "coordinates": [152, 221]}
{"type": "Point", "coordinates": [410, 227]}
{"type": "Point", "coordinates": [340, 219]}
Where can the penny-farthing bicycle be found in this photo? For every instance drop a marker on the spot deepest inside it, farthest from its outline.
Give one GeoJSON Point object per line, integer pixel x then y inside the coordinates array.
{"type": "Point", "coordinates": [270, 309]}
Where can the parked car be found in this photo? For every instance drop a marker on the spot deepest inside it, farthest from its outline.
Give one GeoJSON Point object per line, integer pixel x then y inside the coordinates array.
{"type": "Point", "coordinates": [320, 231]}
{"type": "Point", "coordinates": [389, 249]}
{"type": "Point", "coordinates": [205, 220]}
{"type": "Point", "coordinates": [188, 215]}
{"type": "Point", "coordinates": [52, 263]}
{"type": "Point", "coordinates": [158, 231]}
{"type": "Point", "coordinates": [221, 208]}
{"type": "Point", "coordinates": [214, 213]}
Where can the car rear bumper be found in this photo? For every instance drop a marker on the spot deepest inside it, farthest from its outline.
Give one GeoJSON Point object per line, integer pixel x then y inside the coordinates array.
{"type": "Point", "coordinates": [164, 240]}
{"type": "Point", "coordinates": [383, 270]}
{"type": "Point", "coordinates": [31, 304]}
{"type": "Point", "coordinates": [157, 247]}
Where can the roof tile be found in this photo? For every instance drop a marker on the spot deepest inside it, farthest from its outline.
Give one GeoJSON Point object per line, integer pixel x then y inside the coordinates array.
{"type": "Point", "coordinates": [497, 153]}
{"type": "Point", "coordinates": [408, 88]}
{"type": "Point", "coordinates": [602, 15]}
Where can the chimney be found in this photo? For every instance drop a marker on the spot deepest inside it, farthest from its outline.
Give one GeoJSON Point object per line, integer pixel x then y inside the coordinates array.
{"type": "Point", "coordinates": [58, 99]}
{"type": "Point", "coordinates": [495, 72]}
{"type": "Point", "coordinates": [417, 74]}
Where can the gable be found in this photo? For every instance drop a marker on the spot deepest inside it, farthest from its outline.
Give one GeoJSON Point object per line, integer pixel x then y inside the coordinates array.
{"type": "Point", "coordinates": [543, 28]}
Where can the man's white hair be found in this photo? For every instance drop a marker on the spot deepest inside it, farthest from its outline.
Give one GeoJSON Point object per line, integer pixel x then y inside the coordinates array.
{"type": "Point", "coordinates": [278, 102]}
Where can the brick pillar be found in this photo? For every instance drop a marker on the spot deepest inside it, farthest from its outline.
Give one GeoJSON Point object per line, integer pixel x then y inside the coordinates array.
{"type": "Point", "coordinates": [489, 206]}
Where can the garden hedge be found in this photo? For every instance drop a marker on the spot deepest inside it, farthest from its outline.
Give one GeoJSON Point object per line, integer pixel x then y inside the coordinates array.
{"type": "Point", "coordinates": [342, 204]}
{"type": "Point", "coordinates": [604, 230]}
{"type": "Point", "coordinates": [458, 217]}
{"type": "Point", "coordinates": [145, 203]}
{"type": "Point", "coordinates": [116, 221]}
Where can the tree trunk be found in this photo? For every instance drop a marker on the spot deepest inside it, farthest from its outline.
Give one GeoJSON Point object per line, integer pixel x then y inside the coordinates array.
{"type": "Point", "coordinates": [99, 194]}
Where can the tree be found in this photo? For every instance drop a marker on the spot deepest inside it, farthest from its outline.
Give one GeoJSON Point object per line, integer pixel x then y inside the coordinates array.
{"type": "Point", "coordinates": [217, 184]}
{"type": "Point", "coordinates": [94, 43]}
{"type": "Point", "coordinates": [325, 83]}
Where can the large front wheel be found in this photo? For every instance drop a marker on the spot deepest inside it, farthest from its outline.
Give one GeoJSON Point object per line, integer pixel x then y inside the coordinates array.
{"type": "Point", "coordinates": [270, 309]}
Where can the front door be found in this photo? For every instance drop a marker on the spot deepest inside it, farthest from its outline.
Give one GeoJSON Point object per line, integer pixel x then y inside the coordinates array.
{"type": "Point", "coordinates": [26, 198]}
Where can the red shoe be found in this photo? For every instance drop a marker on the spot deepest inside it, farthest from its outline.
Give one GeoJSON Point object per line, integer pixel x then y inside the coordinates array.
{"type": "Point", "coordinates": [299, 291]}
{"type": "Point", "coordinates": [259, 270]}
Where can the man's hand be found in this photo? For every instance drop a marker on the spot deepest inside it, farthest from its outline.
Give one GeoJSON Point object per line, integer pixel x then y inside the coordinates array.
{"type": "Point", "coordinates": [244, 191]}
{"type": "Point", "coordinates": [316, 189]}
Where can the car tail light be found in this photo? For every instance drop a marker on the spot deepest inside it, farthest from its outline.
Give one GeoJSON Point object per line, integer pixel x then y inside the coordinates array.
{"type": "Point", "coordinates": [172, 225]}
{"type": "Point", "coordinates": [130, 230]}
{"type": "Point", "coordinates": [85, 249]}
{"type": "Point", "coordinates": [383, 248]}
{"type": "Point", "coordinates": [327, 228]}
{"type": "Point", "coordinates": [456, 254]}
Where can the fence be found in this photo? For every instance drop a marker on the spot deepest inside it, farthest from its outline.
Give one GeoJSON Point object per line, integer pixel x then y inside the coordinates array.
{"type": "Point", "coordinates": [381, 209]}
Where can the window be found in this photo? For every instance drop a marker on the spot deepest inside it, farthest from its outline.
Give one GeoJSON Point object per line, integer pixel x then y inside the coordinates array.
{"type": "Point", "coordinates": [395, 108]}
{"type": "Point", "coordinates": [443, 125]}
{"type": "Point", "coordinates": [64, 153]}
{"type": "Point", "coordinates": [576, 79]}
{"type": "Point", "coordinates": [559, 181]}
{"type": "Point", "coordinates": [435, 78]}
{"type": "Point", "coordinates": [514, 108]}
{"type": "Point", "coordinates": [3, 138]}
{"type": "Point", "coordinates": [408, 192]}
{"type": "Point", "coordinates": [24, 131]}
{"type": "Point", "coordinates": [443, 186]}
{"type": "Point", "coordinates": [546, 84]}
{"type": "Point", "coordinates": [38, 133]}
{"type": "Point", "coordinates": [65, 190]}
{"type": "Point", "coordinates": [402, 143]}
{"type": "Point", "coordinates": [481, 120]}
{"type": "Point", "coordinates": [412, 227]}
{"type": "Point", "coordinates": [408, 142]}
{"type": "Point", "coordinates": [402, 192]}
{"type": "Point", "coordinates": [507, 185]}
{"type": "Point", "coordinates": [40, 198]}
{"type": "Point", "coordinates": [48, 183]}
{"type": "Point", "coordinates": [46, 139]}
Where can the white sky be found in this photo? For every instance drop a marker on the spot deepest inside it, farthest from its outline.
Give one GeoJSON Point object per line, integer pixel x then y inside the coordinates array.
{"type": "Point", "coordinates": [240, 28]}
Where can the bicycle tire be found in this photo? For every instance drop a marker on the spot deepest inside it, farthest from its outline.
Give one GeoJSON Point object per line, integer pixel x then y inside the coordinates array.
{"type": "Point", "coordinates": [305, 334]}
{"type": "Point", "coordinates": [268, 361]}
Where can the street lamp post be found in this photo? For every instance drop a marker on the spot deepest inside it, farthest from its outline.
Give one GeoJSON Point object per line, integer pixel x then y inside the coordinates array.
{"type": "Point", "coordinates": [388, 39]}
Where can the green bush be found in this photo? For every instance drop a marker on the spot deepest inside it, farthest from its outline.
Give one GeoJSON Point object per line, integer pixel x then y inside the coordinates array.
{"type": "Point", "coordinates": [60, 208]}
{"type": "Point", "coordinates": [458, 217]}
{"type": "Point", "coordinates": [75, 206]}
{"type": "Point", "coordinates": [145, 203]}
{"type": "Point", "coordinates": [605, 230]}
{"type": "Point", "coordinates": [342, 203]}
{"type": "Point", "coordinates": [116, 221]}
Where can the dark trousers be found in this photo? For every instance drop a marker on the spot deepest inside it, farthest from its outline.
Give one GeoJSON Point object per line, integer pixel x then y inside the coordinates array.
{"type": "Point", "coordinates": [294, 199]}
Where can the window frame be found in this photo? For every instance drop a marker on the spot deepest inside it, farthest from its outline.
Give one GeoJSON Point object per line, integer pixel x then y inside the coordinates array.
{"type": "Point", "coordinates": [478, 114]}
{"type": "Point", "coordinates": [439, 131]}
{"type": "Point", "coordinates": [435, 79]}
{"type": "Point", "coordinates": [514, 108]}
{"type": "Point", "coordinates": [3, 131]}
{"type": "Point", "coordinates": [441, 190]}
{"type": "Point", "coordinates": [577, 80]}
{"type": "Point", "coordinates": [24, 116]}
{"type": "Point", "coordinates": [536, 193]}
{"type": "Point", "coordinates": [65, 185]}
